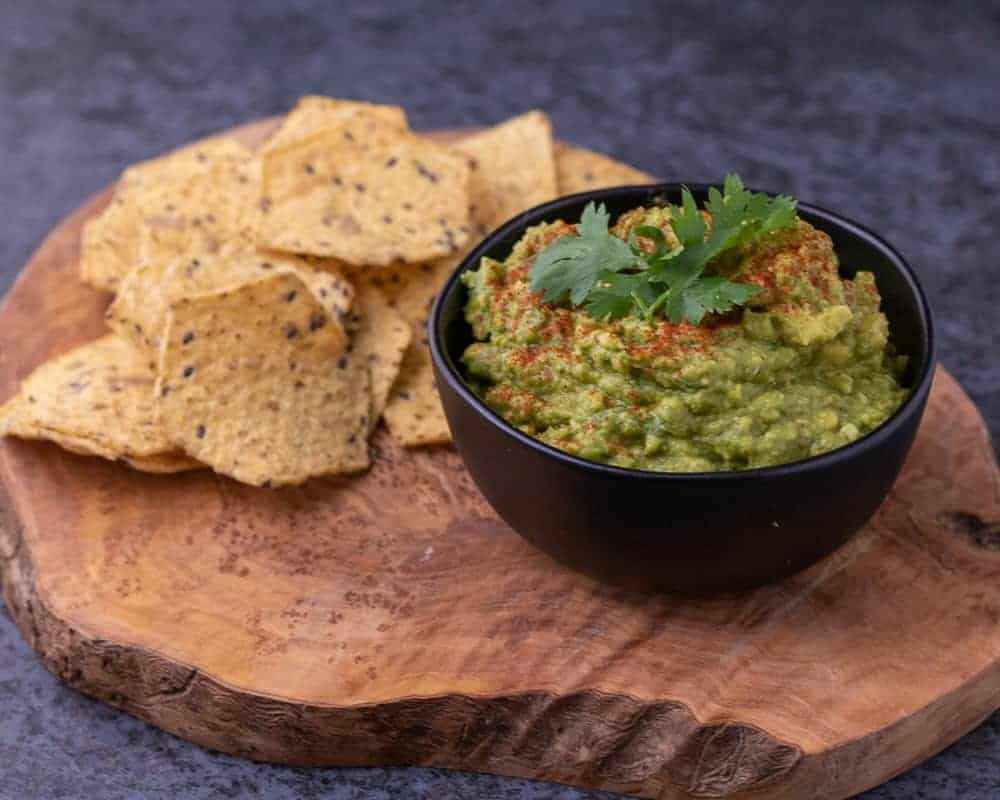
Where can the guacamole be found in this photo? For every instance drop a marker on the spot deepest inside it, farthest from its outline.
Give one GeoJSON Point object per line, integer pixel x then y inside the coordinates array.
{"type": "Point", "coordinates": [805, 366]}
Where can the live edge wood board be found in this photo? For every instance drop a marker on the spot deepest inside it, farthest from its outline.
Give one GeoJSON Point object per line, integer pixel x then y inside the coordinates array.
{"type": "Point", "coordinates": [393, 619]}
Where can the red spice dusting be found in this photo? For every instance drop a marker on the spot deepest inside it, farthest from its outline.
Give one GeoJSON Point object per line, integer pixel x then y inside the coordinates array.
{"type": "Point", "coordinates": [765, 280]}
{"type": "Point", "coordinates": [560, 324]}
{"type": "Point", "coordinates": [518, 273]}
{"type": "Point", "coordinates": [528, 355]}
{"type": "Point", "coordinates": [501, 285]}
{"type": "Point", "coordinates": [802, 254]}
{"type": "Point", "coordinates": [502, 392]}
{"type": "Point", "coordinates": [522, 404]}
{"type": "Point", "coordinates": [539, 241]}
{"type": "Point", "coordinates": [670, 340]}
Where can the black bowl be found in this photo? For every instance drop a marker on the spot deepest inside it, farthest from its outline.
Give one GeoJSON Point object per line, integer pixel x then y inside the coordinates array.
{"type": "Point", "coordinates": [684, 532]}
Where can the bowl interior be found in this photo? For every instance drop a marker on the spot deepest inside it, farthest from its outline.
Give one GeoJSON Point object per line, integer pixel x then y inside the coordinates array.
{"type": "Point", "coordinates": [857, 248]}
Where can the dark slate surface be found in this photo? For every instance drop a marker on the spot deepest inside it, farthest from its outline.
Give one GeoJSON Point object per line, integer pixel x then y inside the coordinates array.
{"type": "Point", "coordinates": [890, 117]}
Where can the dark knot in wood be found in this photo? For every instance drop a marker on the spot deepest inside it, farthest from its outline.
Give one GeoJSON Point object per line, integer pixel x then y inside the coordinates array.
{"type": "Point", "coordinates": [980, 532]}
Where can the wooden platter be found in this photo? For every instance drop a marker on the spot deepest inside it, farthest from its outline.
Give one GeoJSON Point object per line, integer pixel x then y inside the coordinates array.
{"type": "Point", "coordinates": [393, 619]}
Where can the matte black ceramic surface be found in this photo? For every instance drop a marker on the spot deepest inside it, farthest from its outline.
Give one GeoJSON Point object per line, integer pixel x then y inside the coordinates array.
{"type": "Point", "coordinates": [691, 532]}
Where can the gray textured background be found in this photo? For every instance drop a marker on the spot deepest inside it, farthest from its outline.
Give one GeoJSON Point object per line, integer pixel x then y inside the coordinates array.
{"type": "Point", "coordinates": [889, 116]}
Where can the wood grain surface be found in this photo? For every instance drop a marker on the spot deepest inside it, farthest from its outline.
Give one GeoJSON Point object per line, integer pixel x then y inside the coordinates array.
{"type": "Point", "coordinates": [394, 619]}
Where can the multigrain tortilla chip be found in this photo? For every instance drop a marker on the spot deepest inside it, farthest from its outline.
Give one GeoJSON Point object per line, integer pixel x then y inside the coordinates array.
{"type": "Point", "coordinates": [414, 294]}
{"type": "Point", "coordinates": [163, 463]}
{"type": "Point", "coordinates": [413, 412]}
{"type": "Point", "coordinates": [109, 245]}
{"type": "Point", "coordinates": [365, 193]}
{"type": "Point", "coordinates": [313, 113]}
{"type": "Point", "coordinates": [512, 168]}
{"type": "Point", "coordinates": [579, 170]}
{"type": "Point", "coordinates": [380, 336]}
{"type": "Point", "coordinates": [253, 382]}
{"type": "Point", "coordinates": [139, 310]}
{"type": "Point", "coordinates": [96, 399]}
{"type": "Point", "coordinates": [182, 163]}
{"type": "Point", "coordinates": [111, 241]}
{"type": "Point", "coordinates": [211, 212]}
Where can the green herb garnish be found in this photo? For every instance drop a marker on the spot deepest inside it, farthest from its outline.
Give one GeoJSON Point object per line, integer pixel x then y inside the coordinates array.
{"type": "Point", "coordinates": [612, 278]}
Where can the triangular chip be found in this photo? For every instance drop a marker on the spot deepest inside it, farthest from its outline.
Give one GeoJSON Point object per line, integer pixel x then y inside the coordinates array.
{"type": "Point", "coordinates": [380, 337]}
{"type": "Point", "coordinates": [366, 193]}
{"type": "Point", "coordinates": [96, 399]}
{"type": "Point", "coordinates": [139, 311]}
{"type": "Point", "coordinates": [177, 165]}
{"type": "Point", "coordinates": [415, 292]}
{"type": "Point", "coordinates": [253, 383]}
{"type": "Point", "coordinates": [210, 212]}
{"type": "Point", "coordinates": [413, 412]}
{"type": "Point", "coordinates": [512, 169]}
{"type": "Point", "coordinates": [110, 244]}
{"type": "Point", "coordinates": [580, 170]}
{"type": "Point", "coordinates": [164, 463]}
{"type": "Point", "coordinates": [313, 113]}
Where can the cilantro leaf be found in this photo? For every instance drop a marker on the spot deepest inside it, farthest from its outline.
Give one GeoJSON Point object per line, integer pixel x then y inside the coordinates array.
{"type": "Point", "coordinates": [618, 294]}
{"type": "Point", "coordinates": [612, 278]}
{"type": "Point", "coordinates": [570, 266]}
{"type": "Point", "coordinates": [612, 297]}
{"type": "Point", "coordinates": [687, 222]}
{"type": "Point", "coordinates": [746, 216]}
{"type": "Point", "coordinates": [780, 214]}
{"type": "Point", "coordinates": [710, 294]}
{"type": "Point", "coordinates": [732, 184]}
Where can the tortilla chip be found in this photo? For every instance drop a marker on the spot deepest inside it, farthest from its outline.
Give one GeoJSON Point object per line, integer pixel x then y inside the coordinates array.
{"type": "Point", "coordinates": [139, 311]}
{"type": "Point", "coordinates": [253, 382]}
{"type": "Point", "coordinates": [580, 170]}
{"type": "Point", "coordinates": [163, 464]}
{"type": "Point", "coordinates": [414, 295]}
{"type": "Point", "coordinates": [210, 212]}
{"type": "Point", "coordinates": [413, 412]}
{"type": "Point", "coordinates": [381, 337]}
{"type": "Point", "coordinates": [182, 163]}
{"type": "Point", "coordinates": [313, 113]}
{"type": "Point", "coordinates": [96, 399]}
{"type": "Point", "coordinates": [110, 244]}
{"type": "Point", "coordinates": [512, 169]}
{"type": "Point", "coordinates": [365, 193]}
{"type": "Point", "coordinates": [197, 236]}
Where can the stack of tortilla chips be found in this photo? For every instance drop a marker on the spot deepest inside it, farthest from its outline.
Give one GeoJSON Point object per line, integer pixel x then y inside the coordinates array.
{"type": "Point", "coordinates": [270, 306]}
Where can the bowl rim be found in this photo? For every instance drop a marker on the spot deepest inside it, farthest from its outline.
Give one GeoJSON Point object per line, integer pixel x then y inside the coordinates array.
{"type": "Point", "coordinates": [448, 371]}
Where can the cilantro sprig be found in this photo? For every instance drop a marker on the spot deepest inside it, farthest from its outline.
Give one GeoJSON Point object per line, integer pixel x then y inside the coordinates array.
{"type": "Point", "coordinates": [612, 278]}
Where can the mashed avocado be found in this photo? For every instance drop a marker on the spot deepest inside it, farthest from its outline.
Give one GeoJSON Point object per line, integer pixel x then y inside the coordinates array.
{"type": "Point", "coordinates": [806, 367]}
